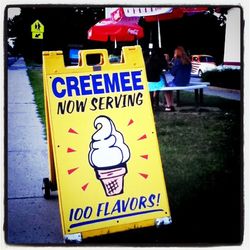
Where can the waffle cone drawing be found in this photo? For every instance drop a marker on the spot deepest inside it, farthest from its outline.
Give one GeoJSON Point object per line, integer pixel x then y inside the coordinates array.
{"type": "Point", "coordinates": [108, 155]}
{"type": "Point", "coordinates": [112, 179]}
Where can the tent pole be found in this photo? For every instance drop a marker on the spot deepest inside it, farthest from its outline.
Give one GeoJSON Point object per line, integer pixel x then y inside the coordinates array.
{"type": "Point", "coordinates": [115, 44]}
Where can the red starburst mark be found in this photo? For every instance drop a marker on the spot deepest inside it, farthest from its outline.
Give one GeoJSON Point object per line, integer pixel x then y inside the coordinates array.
{"type": "Point", "coordinates": [142, 137]}
{"type": "Point", "coordinates": [84, 187]}
{"type": "Point", "coordinates": [72, 131]}
{"type": "Point", "coordinates": [130, 122]}
{"type": "Point", "coordinates": [70, 171]}
{"type": "Point", "coordinates": [70, 150]}
{"type": "Point", "coordinates": [144, 175]}
{"type": "Point", "coordinates": [144, 156]}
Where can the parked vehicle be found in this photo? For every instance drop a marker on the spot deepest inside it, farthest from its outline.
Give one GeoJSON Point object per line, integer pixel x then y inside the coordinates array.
{"type": "Point", "coordinates": [201, 64]}
{"type": "Point", "coordinates": [73, 56]}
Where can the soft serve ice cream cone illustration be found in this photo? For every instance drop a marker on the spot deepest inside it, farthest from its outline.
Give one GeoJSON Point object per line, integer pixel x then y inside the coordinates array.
{"type": "Point", "coordinates": [108, 155]}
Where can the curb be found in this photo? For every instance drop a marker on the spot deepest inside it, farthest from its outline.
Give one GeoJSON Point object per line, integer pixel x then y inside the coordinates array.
{"type": "Point", "coordinates": [225, 89]}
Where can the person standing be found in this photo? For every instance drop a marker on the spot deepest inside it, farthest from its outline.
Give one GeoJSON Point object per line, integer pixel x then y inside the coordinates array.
{"type": "Point", "coordinates": [181, 70]}
{"type": "Point", "coordinates": [155, 64]}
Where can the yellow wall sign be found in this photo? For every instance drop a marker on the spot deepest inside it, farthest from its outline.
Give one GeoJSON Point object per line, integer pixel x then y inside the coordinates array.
{"type": "Point", "coordinates": [36, 35]}
{"type": "Point", "coordinates": [37, 30]}
{"type": "Point", "coordinates": [104, 144]}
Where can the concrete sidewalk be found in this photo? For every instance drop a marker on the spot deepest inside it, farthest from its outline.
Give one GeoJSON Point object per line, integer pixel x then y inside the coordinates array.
{"type": "Point", "coordinates": [30, 218]}
{"type": "Point", "coordinates": [230, 94]}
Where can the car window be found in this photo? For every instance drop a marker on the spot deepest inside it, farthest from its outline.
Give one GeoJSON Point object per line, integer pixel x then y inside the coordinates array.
{"type": "Point", "coordinates": [206, 59]}
{"type": "Point", "coordinates": [210, 59]}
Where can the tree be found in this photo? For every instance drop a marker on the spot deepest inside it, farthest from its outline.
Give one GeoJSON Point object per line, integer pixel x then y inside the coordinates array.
{"type": "Point", "coordinates": [63, 26]}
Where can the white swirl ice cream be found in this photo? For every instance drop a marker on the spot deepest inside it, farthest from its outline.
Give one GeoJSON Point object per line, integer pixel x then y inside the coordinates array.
{"type": "Point", "coordinates": [108, 155]}
{"type": "Point", "coordinates": [107, 148]}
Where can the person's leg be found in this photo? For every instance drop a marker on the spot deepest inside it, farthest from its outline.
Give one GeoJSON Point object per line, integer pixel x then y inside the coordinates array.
{"type": "Point", "coordinates": [169, 97]}
{"type": "Point", "coordinates": [156, 98]}
{"type": "Point", "coordinates": [170, 100]}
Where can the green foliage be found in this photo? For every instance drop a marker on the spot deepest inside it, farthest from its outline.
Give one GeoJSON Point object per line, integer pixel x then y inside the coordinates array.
{"type": "Point", "coordinates": [67, 25]}
{"type": "Point", "coordinates": [226, 78]}
{"type": "Point", "coordinates": [63, 26]}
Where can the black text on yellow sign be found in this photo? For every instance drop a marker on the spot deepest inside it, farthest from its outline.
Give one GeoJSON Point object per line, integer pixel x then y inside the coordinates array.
{"type": "Point", "coordinates": [104, 144]}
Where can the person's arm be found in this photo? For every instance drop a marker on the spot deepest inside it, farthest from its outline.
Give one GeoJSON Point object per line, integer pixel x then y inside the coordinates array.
{"type": "Point", "coordinates": [164, 63]}
{"type": "Point", "coordinates": [175, 67]}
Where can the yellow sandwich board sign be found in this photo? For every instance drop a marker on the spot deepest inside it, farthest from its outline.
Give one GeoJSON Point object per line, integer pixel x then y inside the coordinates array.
{"type": "Point", "coordinates": [103, 144]}
{"type": "Point", "coordinates": [37, 30]}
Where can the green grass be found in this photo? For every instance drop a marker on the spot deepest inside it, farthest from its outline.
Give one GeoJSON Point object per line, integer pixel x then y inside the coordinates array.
{"type": "Point", "coordinates": [36, 80]}
{"type": "Point", "coordinates": [195, 148]}
{"type": "Point", "coordinates": [201, 155]}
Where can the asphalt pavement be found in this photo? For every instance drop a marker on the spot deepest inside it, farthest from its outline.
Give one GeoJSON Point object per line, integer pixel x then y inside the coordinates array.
{"type": "Point", "coordinates": [231, 94]}
{"type": "Point", "coordinates": [30, 219]}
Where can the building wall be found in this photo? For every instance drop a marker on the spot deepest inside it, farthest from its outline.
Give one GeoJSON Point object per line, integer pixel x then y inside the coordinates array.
{"type": "Point", "coordinates": [232, 50]}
